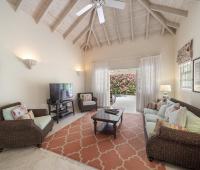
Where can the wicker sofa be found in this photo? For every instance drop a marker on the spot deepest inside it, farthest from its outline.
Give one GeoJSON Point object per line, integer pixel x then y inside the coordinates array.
{"type": "Point", "coordinates": [20, 133]}
{"type": "Point", "coordinates": [181, 148]}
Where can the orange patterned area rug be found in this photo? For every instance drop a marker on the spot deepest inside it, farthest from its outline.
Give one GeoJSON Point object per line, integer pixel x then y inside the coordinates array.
{"type": "Point", "coordinates": [77, 141]}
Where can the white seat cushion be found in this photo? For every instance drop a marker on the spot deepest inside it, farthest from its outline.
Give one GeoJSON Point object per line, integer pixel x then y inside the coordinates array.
{"type": "Point", "coordinates": [88, 103]}
{"type": "Point", "coordinates": [152, 118]}
{"type": "Point", "coordinates": [150, 111]}
{"type": "Point", "coordinates": [42, 121]}
{"type": "Point", "coordinates": [150, 126]}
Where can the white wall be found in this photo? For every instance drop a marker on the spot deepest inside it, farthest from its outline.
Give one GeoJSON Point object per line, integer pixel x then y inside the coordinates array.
{"type": "Point", "coordinates": [189, 29]}
{"type": "Point", "coordinates": [56, 57]}
{"type": "Point", "coordinates": [127, 55]}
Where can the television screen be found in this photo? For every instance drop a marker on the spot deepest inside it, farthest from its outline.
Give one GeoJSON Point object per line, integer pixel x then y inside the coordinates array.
{"type": "Point", "coordinates": [60, 91]}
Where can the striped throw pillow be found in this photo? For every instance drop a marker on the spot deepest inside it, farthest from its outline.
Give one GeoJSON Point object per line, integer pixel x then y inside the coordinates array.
{"type": "Point", "coordinates": [28, 115]}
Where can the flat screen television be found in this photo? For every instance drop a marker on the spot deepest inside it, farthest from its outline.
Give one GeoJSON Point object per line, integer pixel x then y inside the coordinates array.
{"type": "Point", "coordinates": [60, 91]}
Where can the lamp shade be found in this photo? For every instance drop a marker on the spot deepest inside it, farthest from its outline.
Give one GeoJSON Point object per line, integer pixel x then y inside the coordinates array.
{"type": "Point", "coordinates": [165, 88]}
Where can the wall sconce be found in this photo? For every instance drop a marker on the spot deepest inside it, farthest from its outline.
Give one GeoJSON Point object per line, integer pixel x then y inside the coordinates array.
{"type": "Point", "coordinates": [78, 71]}
{"type": "Point", "coordinates": [29, 63]}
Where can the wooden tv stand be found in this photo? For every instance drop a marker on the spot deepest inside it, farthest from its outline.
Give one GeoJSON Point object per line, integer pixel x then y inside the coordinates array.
{"type": "Point", "coordinates": [60, 108]}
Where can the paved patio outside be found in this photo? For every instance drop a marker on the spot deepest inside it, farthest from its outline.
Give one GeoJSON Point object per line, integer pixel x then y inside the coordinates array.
{"type": "Point", "coordinates": [126, 101]}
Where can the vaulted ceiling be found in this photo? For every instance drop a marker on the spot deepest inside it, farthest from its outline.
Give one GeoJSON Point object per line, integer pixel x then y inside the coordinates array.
{"type": "Point", "coordinates": [140, 18]}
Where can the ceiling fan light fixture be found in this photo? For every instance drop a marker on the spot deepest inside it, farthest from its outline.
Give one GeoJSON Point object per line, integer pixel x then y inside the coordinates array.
{"type": "Point", "coordinates": [86, 8]}
{"type": "Point", "coordinates": [101, 15]}
{"type": "Point", "coordinates": [99, 4]}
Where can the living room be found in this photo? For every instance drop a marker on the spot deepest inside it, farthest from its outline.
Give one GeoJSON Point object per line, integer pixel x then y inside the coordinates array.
{"type": "Point", "coordinates": [44, 42]}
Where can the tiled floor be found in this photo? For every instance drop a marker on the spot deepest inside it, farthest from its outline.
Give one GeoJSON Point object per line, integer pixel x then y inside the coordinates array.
{"type": "Point", "coordinates": [32, 158]}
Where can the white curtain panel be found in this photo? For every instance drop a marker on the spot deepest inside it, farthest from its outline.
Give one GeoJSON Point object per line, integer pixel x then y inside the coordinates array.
{"type": "Point", "coordinates": [100, 84]}
{"type": "Point", "coordinates": [148, 77]}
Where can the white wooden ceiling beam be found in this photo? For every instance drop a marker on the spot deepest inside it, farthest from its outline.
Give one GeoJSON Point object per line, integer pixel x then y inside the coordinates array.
{"type": "Point", "coordinates": [162, 31]}
{"type": "Point", "coordinates": [172, 24]}
{"type": "Point", "coordinates": [116, 21]}
{"type": "Point", "coordinates": [83, 46]}
{"type": "Point", "coordinates": [18, 4]}
{"type": "Point", "coordinates": [76, 22]}
{"type": "Point", "coordinates": [147, 25]}
{"type": "Point", "coordinates": [42, 9]}
{"type": "Point", "coordinates": [146, 4]}
{"type": "Point", "coordinates": [167, 9]}
{"type": "Point", "coordinates": [106, 34]}
{"type": "Point", "coordinates": [63, 14]}
{"type": "Point", "coordinates": [96, 38]}
{"type": "Point", "coordinates": [82, 33]}
{"type": "Point", "coordinates": [132, 21]}
{"type": "Point", "coordinates": [92, 19]}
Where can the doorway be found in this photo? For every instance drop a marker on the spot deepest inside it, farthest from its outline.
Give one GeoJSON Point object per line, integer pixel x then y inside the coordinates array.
{"type": "Point", "coordinates": [123, 89]}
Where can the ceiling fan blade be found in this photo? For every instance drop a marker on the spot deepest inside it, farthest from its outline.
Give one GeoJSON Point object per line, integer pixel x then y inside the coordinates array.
{"type": "Point", "coordinates": [84, 9]}
{"type": "Point", "coordinates": [115, 4]}
{"type": "Point", "coordinates": [101, 15]}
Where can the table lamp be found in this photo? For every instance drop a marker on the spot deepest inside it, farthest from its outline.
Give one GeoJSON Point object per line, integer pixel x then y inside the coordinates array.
{"type": "Point", "coordinates": [165, 89]}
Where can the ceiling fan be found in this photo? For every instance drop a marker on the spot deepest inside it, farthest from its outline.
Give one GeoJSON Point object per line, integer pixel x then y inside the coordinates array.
{"type": "Point", "coordinates": [98, 4]}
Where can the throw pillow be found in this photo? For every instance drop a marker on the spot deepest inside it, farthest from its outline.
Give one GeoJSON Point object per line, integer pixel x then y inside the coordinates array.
{"type": "Point", "coordinates": [28, 115]}
{"type": "Point", "coordinates": [82, 96]}
{"type": "Point", "coordinates": [160, 123]}
{"type": "Point", "coordinates": [178, 117]}
{"type": "Point", "coordinates": [162, 110]}
{"type": "Point", "coordinates": [193, 122]}
{"type": "Point", "coordinates": [172, 116]}
{"type": "Point", "coordinates": [182, 117]}
{"type": "Point", "coordinates": [177, 127]}
{"type": "Point", "coordinates": [87, 97]}
{"type": "Point", "coordinates": [169, 102]}
{"type": "Point", "coordinates": [151, 105]}
{"type": "Point", "coordinates": [170, 109]}
{"type": "Point", "coordinates": [159, 104]}
{"type": "Point", "coordinates": [7, 113]}
{"type": "Point", "coordinates": [19, 111]}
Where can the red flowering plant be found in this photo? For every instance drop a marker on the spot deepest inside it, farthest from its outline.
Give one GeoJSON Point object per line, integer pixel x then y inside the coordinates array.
{"type": "Point", "coordinates": [123, 84]}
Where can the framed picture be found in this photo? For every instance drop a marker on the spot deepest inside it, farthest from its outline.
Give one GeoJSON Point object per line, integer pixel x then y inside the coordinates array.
{"type": "Point", "coordinates": [196, 75]}
{"type": "Point", "coordinates": [185, 53]}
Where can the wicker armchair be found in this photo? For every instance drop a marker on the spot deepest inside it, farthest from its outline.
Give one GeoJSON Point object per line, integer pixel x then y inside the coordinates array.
{"type": "Point", "coordinates": [84, 107]}
{"type": "Point", "coordinates": [181, 148]}
{"type": "Point", "coordinates": [20, 133]}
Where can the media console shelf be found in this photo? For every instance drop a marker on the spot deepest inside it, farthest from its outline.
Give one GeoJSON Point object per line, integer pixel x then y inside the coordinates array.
{"type": "Point", "coordinates": [60, 109]}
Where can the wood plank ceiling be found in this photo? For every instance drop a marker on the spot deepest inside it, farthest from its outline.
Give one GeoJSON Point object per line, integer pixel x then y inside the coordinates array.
{"type": "Point", "coordinates": [140, 18]}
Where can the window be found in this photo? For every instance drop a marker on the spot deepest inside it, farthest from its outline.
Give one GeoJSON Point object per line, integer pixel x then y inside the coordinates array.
{"type": "Point", "coordinates": [186, 75]}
